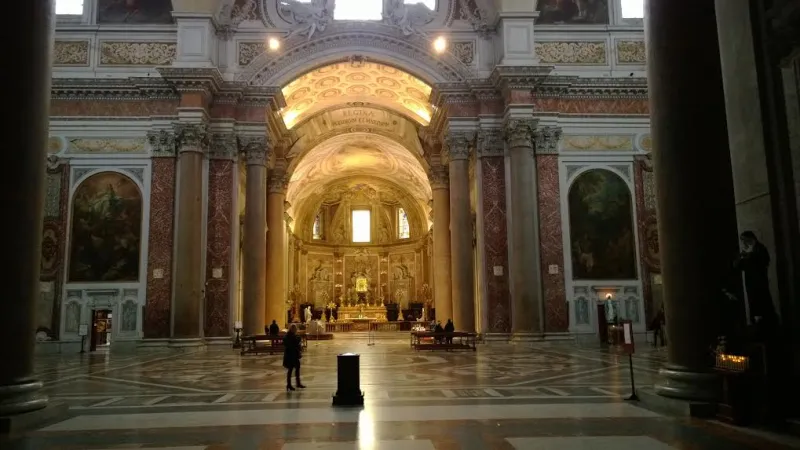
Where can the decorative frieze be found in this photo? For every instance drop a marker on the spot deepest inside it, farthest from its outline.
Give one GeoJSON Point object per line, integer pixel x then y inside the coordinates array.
{"type": "Point", "coordinates": [71, 53]}
{"type": "Point", "coordinates": [490, 143]}
{"type": "Point", "coordinates": [519, 133]}
{"type": "Point", "coordinates": [137, 53]}
{"type": "Point", "coordinates": [256, 149]}
{"type": "Point", "coordinates": [192, 137]}
{"type": "Point", "coordinates": [546, 140]}
{"type": "Point", "coordinates": [248, 51]}
{"type": "Point", "coordinates": [464, 51]}
{"type": "Point", "coordinates": [458, 144]}
{"type": "Point", "coordinates": [631, 52]}
{"type": "Point", "coordinates": [597, 143]}
{"type": "Point", "coordinates": [162, 143]}
{"type": "Point", "coordinates": [106, 146]}
{"type": "Point", "coordinates": [571, 52]}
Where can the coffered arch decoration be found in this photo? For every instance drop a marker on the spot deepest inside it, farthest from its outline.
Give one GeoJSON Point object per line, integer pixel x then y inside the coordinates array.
{"type": "Point", "coordinates": [364, 42]}
{"type": "Point", "coordinates": [356, 82]}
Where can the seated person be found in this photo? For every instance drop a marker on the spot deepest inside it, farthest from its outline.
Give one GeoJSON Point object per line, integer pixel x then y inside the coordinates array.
{"type": "Point", "coordinates": [274, 329]}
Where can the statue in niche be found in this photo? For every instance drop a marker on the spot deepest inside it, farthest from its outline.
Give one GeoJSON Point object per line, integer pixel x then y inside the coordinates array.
{"type": "Point", "coordinates": [408, 18]}
{"type": "Point", "coordinates": [320, 273]}
{"type": "Point", "coordinates": [383, 235]}
{"type": "Point", "coordinates": [339, 235]}
{"type": "Point", "coordinates": [307, 314]}
{"type": "Point", "coordinates": [401, 270]}
{"type": "Point", "coordinates": [307, 18]}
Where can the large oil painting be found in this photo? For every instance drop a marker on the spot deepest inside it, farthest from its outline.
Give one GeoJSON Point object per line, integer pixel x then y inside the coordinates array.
{"type": "Point", "coordinates": [106, 229]}
{"type": "Point", "coordinates": [572, 12]}
{"type": "Point", "coordinates": [601, 227]}
{"type": "Point", "coordinates": [134, 11]}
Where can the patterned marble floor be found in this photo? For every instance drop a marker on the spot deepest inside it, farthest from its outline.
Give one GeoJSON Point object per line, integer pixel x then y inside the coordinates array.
{"type": "Point", "coordinates": [525, 396]}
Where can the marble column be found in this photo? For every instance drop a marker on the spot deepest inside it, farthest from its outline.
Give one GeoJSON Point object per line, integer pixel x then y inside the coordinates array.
{"type": "Point", "coordinates": [254, 247]}
{"type": "Point", "coordinates": [192, 141]}
{"type": "Point", "coordinates": [692, 168]}
{"type": "Point", "coordinates": [442, 281]}
{"type": "Point", "coordinates": [26, 131]}
{"type": "Point", "coordinates": [463, 269]}
{"type": "Point", "coordinates": [524, 234]}
{"type": "Point", "coordinates": [276, 233]}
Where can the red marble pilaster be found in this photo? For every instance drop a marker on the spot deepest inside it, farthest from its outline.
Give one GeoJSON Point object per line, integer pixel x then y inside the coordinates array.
{"type": "Point", "coordinates": [552, 244]}
{"type": "Point", "coordinates": [54, 237]}
{"type": "Point", "coordinates": [160, 242]}
{"type": "Point", "coordinates": [647, 227]}
{"type": "Point", "coordinates": [218, 247]}
{"type": "Point", "coordinates": [495, 243]}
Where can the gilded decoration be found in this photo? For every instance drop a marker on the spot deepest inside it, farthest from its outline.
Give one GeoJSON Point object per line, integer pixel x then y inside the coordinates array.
{"type": "Point", "coordinates": [631, 52]}
{"type": "Point", "coordinates": [249, 51]}
{"type": "Point", "coordinates": [137, 53]}
{"type": "Point", "coordinates": [595, 143]}
{"type": "Point", "coordinates": [71, 53]}
{"type": "Point", "coordinates": [564, 52]}
{"type": "Point", "coordinates": [464, 51]}
{"type": "Point", "coordinates": [356, 81]}
{"type": "Point", "coordinates": [106, 146]}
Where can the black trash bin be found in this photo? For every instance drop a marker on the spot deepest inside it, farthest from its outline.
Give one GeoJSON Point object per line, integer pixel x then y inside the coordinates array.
{"type": "Point", "coordinates": [348, 392]}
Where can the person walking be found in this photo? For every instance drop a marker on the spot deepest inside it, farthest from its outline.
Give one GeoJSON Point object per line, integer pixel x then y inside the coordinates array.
{"type": "Point", "coordinates": [291, 357]}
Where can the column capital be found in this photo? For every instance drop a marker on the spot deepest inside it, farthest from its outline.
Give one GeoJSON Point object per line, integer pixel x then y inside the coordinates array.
{"type": "Point", "coordinates": [192, 137]}
{"type": "Point", "coordinates": [278, 182]}
{"type": "Point", "coordinates": [162, 143]}
{"type": "Point", "coordinates": [256, 149]}
{"type": "Point", "coordinates": [490, 143]}
{"type": "Point", "coordinates": [438, 177]}
{"type": "Point", "coordinates": [458, 144]}
{"type": "Point", "coordinates": [223, 146]}
{"type": "Point", "coordinates": [546, 140]}
{"type": "Point", "coordinates": [519, 132]}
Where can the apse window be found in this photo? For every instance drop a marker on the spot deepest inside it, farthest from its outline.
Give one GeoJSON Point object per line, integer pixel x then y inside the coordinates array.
{"type": "Point", "coordinates": [358, 10]}
{"type": "Point", "coordinates": [69, 7]}
{"type": "Point", "coordinates": [361, 226]}
{"type": "Point", "coordinates": [317, 230]}
{"type": "Point", "coordinates": [632, 9]}
{"type": "Point", "coordinates": [403, 230]}
{"type": "Point", "coordinates": [431, 4]}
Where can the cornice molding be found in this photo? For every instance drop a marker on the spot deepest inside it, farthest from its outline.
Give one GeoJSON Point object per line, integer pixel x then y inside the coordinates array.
{"type": "Point", "coordinates": [112, 89]}
{"type": "Point", "coordinates": [193, 79]}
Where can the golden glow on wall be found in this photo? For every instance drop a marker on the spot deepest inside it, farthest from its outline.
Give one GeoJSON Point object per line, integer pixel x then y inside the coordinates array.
{"type": "Point", "coordinates": [361, 226]}
{"type": "Point", "coordinates": [358, 83]}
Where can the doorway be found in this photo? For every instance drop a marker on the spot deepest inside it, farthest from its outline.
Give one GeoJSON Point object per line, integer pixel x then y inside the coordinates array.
{"type": "Point", "coordinates": [101, 330]}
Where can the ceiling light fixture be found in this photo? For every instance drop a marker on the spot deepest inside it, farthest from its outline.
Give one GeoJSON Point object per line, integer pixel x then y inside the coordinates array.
{"type": "Point", "coordinates": [273, 44]}
{"type": "Point", "coordinates": [440, 44]}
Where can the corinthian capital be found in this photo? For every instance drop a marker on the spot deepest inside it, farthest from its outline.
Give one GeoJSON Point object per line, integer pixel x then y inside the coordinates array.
{"type": "Point", "coordinates": [490, 143]}
{"type": "Point", "coordinates": [519, 133]}
{"type": "Point", "coordinates": [256, 149]}
{"type": "Point", "coordinates": [162, 143]}
{"type": "Point", "coordinates": [192, 137]}
{"type": "Point", "coordinates": [459, 143]}
{"type": "Point", "coordinates": [278, 182]}
{"type": "Point", "coordinates": [438, 177]}
{"type": "Point", "coordinates": [547, 139]}
{"type": "Point", "coordinates": [223, 146]}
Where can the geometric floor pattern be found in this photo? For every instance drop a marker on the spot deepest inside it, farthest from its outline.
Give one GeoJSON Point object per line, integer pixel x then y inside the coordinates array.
{"type": "Point", "coordinates": [504, 396]}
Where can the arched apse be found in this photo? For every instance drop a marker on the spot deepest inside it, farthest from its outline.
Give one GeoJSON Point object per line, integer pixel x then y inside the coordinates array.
{"type": "Point", "coordinates": [105, 229]}
{"type": "Point", "coordinates": [602, 240]}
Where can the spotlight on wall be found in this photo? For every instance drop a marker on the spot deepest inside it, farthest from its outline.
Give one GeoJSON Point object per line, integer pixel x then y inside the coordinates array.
{"type": "Point", "coordinates": [440, 44]}
{"type": "Point", "coordinates": [609, 296]}
{"type": "Point", "coordinates": [273, 44]}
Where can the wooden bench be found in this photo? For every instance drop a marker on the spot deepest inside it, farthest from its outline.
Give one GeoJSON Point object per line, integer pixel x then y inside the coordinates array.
{"type": "Point", "coordinates": [428, 340]}
{"type": "Point", "coordinates": [264, 343]}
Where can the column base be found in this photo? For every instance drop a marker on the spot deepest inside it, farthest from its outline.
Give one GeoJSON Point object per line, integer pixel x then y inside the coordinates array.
{"type": "Point", "coordinates": [686, 384]}
{"type": "Point", "coordinates": [21, 398]}
{"type": "Point", "coordinates": [526, 336]}
{"type": "Point", "coordinates": [186, 343]}
{"type": "Point", "coordinates": [226, 341]}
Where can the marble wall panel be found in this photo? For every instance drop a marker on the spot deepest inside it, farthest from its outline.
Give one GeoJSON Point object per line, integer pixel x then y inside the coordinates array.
{"type": "Point", "coordinates": [54, 232]}
{"type": "Point", "coordinates": [71, 53]}
{"type": "Point", "coordinates": [495, 242]}
{"type": "Point", "coordinates": [159, 276]}
{"type": "Point", "coordinates": [133, 108]}
{"type": "Point", "coordinates": [137, 53]}
{"type": "Point", "coordinates": [631, 52]}
{"type": "Point", "coordinates": [248, 51]}
{"type": "Point", "coordinates": [218, 247]}
{"type": "Point", "coordinates": [572, 52]}
{"type": "Point", "coordinates": [552, 244]}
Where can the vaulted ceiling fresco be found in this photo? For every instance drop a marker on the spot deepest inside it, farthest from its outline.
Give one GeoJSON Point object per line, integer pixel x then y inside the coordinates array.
{"type": "Point", "coordinates": [359, 83]}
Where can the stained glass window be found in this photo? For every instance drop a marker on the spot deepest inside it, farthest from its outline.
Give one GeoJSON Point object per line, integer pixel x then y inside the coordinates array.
{"type": "Point", "coordinates": [632, 9]}
{"type": "Point", "coordinates": [69, 7]}
{"type": "Point", "coordinates": [317, 231]}
{"type": "Point", "coordinates": [361, 226]}
{"type": "Point", "coordinates": [403, 230]}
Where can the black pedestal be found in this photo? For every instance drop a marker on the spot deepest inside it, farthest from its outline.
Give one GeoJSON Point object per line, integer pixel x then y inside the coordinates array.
{"type": "Point", "coordinates": [348, 392]}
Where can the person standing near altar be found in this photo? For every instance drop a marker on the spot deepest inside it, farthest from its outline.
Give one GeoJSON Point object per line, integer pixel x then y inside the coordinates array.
{"type": "Point", "coordinates": [449, 328]}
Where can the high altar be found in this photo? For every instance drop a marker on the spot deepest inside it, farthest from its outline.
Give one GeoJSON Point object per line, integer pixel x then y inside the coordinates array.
{"type": "Point", "coordinates": [358, 305]}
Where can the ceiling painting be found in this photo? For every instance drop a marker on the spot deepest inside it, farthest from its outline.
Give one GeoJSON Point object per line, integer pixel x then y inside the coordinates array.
{"type": "Point", "coordinates": [356, 82]}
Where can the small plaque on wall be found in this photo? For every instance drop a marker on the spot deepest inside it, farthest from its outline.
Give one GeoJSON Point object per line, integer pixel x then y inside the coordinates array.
{"type": "Point", "coordinates": [498, 271]}
{"type": "Point", "coordinates": [553, 269]}
{"type": "Point", "coordinates": [158, 273]}
{"type": "Point", "coordinates": [216, 272]}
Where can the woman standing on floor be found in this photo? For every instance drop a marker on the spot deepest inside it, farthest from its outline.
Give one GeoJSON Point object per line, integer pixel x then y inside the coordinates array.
{"type": "Point", "coordinates": [291, 357]}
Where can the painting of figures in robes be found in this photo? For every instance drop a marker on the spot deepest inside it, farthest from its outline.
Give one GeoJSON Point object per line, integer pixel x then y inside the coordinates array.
{"type": "Point", "coordinates": [134, 11]}
{"type": "Point", "coordinates": [572, 12]}
{"type": "Point", "coordinates": [106, 229]}
{"type": "Point", "coordinates": [601, 227]}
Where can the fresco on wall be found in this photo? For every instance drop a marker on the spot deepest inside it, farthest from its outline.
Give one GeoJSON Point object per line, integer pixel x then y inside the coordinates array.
{"type": "Point", "coordinates": [601, 227]}
{"type": "Point", "coordinates": [106, 229]}
{"type": "Point", "coordinates": [134, 11]}
{"type": "Point", "coordinates": [593, 12]}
